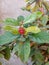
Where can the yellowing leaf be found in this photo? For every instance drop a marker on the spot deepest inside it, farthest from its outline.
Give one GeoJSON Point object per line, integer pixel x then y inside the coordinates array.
{"type": "Point", "coordinates": [35, 8]}
{"type": "Point", "coordinates": [8, 28]}
{"type": "Point", "coordinates": [26, 0]}
{"type": "Point", "coordinates": [28, 7]}
{"type": "Point", "coordinates": [33, 29]}
{"type": "Point", "coordinates": [12, 29]}
{"type": "Point", "coordinates": [15, 31]}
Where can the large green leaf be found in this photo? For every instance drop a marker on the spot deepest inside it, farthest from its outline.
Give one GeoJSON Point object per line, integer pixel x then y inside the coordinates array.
{"type": "Point", "coordinates": [32, 17]}
{"type": "Point", "coordinates": [6, 38]}
{"type": "Point", "coordinates": [41, 37]}
{"type": "Point", "coordinates": [11, 21]}
{"type": "Point", "coordinates": [44, 20]}
{"type": "Point", "coordinates": [14, 22]}
{"type": "Point", "coordinates": [24, 51]}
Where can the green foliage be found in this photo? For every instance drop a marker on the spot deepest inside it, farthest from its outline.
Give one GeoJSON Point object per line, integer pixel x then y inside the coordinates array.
{"type": "Point", "coordinates": [21, 38]}
{"type": "Point", "coordinates": [8, 28]}
{"type": "Point", "coordinates": [41, 37]}
{"type": "Point", "coordinates": [11, 21]}
{"type": "Point", "coordinates": [44, 20]}
{"type": "Point", "coordinates": [16, 48]}
{"type": "Point", "coordinates": [1, 55]}
{"type": "Point", "coordinates": [2, 48]}
{"type": "Point", "coordinates": [20, 18]}
{"type": "Point", "coordinates": [21, 44]}
{"type": "Point", "coordinates": [32, 17]}
{"type": "Point", "coordinates": [7, 53]}
{"type": "Point", "coordinates": [22, 47]}
{"type": "Point", "coordinates": [36, 55]}
{"type": "Point", "coordinates": [11, 29]}
{"type": "Point", "coordinates": [7, 38]}
{"type": "Point", "coordinates": [23, 50]}
{"type": "Point", "coordinates": [47, 63]}
{"type": "Point", "coordinates": [14, 22]}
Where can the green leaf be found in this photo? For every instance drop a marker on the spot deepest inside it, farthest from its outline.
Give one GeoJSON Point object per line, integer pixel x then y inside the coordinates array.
{"type": "Point", "coordinates": [41, 37]}
{"type": "Point", "coordinates": [20, 18]}
{"type": "Point", "coordinates": [47, 63]}
{"type": "Point", "coordinates": [16, 48]}
{"type": "Point", "coordinates": [39, 63]}
{"type": "Point", "coordinates": [8, 28]}
{"type": "Point", "coordinates": [38, 14]}
{"type": "Point", "coordinates": [21, 38]}
{"type": "Point", "coordinates": [11, 29]}
{"type": "Point", "coordinates": [32, 51]}
{"type": "Point", "coordinates": [24, 51]}
{"type": "Point", "coordinates": [7, 38]}
{"type": "Point", "coordinates": [14, 22]}
{"type": "Point", "coordinates": [11, 21]}
{"type": "Point", "coordinates": [1, 55]}
{"type": "Point", "coordinates": [32, 17]}
{"type": "Point", "coordinates": [26, 25]}
{"type": "Point", "coordinates": [44, 20]}
{"type": "Point", "coordinates": [7, 53]}
{"type": "Point", "coordinates": [2, 48]}
{"type": "Point", "coordinates": [38, 57]}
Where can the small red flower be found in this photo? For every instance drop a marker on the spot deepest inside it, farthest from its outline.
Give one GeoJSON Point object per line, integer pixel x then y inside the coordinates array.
{"type": "Point", "coordinates": [21, 31]}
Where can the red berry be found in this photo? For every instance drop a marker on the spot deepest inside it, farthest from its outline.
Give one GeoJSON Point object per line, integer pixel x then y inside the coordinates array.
{"type": "Point", "coordinates": [21, 30]}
